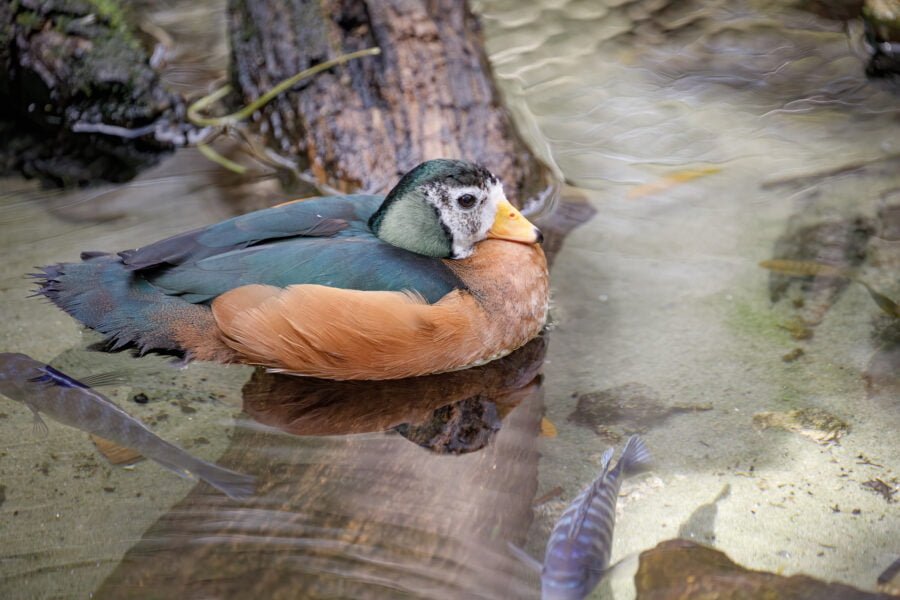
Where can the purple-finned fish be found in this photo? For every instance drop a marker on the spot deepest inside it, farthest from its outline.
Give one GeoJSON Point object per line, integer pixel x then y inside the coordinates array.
{"type": "Point", "coordinates": [578, 551]}
{"type": "Point", "coordinates": [46, 390]}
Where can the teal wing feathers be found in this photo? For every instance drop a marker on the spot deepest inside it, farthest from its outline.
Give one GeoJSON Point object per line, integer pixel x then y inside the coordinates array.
{"type": "Point", "coordinates": [323, 241]}
{"type": "Point", "coordinates": [316, 217]}
{"type": "Point", "coordinates": [148, 297]}
{"type": "Point", "coordinates": [359, 263]}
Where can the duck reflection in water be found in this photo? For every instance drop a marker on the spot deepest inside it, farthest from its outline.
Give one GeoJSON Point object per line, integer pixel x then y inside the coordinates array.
{"type": "Point", "coordinates": [448, 413]}
{"type": "Point", "coordinates": [367, 515]}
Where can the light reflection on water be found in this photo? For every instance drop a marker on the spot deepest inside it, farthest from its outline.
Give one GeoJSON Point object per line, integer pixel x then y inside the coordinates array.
{"type": "Point", "coordinates": [765, 105]}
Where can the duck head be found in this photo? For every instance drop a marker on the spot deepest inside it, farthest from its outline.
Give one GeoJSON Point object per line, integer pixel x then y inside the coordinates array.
{"type": "Point", "coordinates": [443, 207]}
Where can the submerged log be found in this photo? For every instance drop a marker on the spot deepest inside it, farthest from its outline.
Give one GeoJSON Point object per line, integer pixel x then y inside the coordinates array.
{"type": "Point", "coordinates": [79, 101]}
{"type": "Point", "coordinates": [370, 515]}
{"type": "Point", "coordinates": [681, 570]}
{"type": "Point", "coordinates": [429, 93]}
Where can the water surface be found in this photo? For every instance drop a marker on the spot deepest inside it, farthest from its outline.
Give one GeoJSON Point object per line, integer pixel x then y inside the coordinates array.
{"type": "Point", "coordinates": [707, 137]}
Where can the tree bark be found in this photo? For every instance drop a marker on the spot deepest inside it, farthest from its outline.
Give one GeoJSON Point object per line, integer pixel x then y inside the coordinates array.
{"type": "Point", "coordinates": [360, 126]}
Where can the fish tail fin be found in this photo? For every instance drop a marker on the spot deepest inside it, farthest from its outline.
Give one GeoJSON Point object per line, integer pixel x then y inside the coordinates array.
{"type": "Point", "coordinates": [635, 457]}
{"type": "Point", "coordinates": [604, 460]}
{"type": "Point", "coordinates": [235, 485]}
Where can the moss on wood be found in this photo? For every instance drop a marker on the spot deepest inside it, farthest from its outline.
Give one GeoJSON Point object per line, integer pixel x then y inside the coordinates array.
{"type": "Point", "coordinates": [80, 101]}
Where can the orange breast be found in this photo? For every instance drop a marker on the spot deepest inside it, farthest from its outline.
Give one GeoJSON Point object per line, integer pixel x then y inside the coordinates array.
{"type": "Point", "coordinates": [349, 334]}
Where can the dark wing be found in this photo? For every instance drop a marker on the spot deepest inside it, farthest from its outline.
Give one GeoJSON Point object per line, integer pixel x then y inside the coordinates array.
{"type": "Point", "coordinates": [315, 218]}
{"type": "Point", "coordinates": [357, 262]}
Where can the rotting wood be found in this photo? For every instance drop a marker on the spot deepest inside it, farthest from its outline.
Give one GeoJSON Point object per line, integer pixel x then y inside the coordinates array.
{"type": "Point", "coordinates": [86, 105]}
{"type": "Point", "coordinates": [429, 94]}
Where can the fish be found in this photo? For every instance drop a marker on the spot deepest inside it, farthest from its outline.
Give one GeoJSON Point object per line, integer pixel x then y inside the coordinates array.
{"type": "Point", "coordinates": [670, 181]}
{"type": "Point", "coordinates": [51, 392]}
{"type": "Point", "coordinates": [578, 551]}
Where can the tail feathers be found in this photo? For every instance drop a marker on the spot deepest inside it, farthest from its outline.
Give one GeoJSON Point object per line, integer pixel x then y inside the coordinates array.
{"type": "Point", "coordinates": [635, 457]}
{"type": "Point", "coordinates": [104, 295]}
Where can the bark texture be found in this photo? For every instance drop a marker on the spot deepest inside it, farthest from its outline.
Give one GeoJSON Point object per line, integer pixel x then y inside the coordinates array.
{"type": "Point", "coordinates": [429, 94]}
{"type": "Point", "coordinates": [357, 516]}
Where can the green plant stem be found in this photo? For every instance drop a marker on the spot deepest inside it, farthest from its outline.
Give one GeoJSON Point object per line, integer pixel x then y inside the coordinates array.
{"type": "Point", "coordinates": [196, 118]}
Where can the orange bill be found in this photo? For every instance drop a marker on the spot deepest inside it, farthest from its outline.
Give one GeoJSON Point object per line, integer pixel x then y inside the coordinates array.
{"type": "Point", "coordinates": [509, 224]}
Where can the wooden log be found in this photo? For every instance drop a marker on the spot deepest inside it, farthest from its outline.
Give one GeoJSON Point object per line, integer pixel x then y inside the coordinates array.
{"type": "Point", "coordinates": [356, 516]}
{"type": "Point", "coordinates": [429, 94]}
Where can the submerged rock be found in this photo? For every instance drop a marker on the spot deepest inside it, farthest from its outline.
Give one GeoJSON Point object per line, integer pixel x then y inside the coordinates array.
{"type": "Point", "coordinates": [626, 409]}
{"type": "Point", "coordinates": [681, 569]}
{"type": "Point", "coordinates": [814, 423]}
{"type": "Point", "coordinates": [887, 489]}
{"type": "Point", "coordinates": [882, 22]}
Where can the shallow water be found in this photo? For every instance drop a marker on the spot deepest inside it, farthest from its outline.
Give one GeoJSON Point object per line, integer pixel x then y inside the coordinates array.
{"type": "Point", "coordinates": [708, 138]}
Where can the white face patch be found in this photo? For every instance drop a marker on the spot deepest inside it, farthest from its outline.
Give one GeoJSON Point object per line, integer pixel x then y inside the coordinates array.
{"type": "Point", "coordinates": [467, 224]}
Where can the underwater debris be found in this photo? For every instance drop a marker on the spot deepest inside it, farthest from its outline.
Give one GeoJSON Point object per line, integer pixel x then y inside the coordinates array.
{"type": "Point", "coordinates": [548, 429]}
{"type": "Point", "coordinates": [879, 486]}
{"type": "Point", "coordinates": [115, 453]}
{"type": "Point", "coordinates": [813, 267]}
{"type": "Point", "coordinates": [670, 181]}
{"type": "Point", "coordinates": [626, 409]}
{"type": "Point", "coordinates": [814, 423]}
{"type": "Point", "coordinates": [793, 355]}
{"type": "Point", "coordinates": [681, 569]}
{"type": "Point", "coordinates": [806, 268]}
{"type": "Point", "coordinates": [807, 179]}
{"type": "Point", "coordinates": [798, 329]}
{"type": "Point", "coordinates": [554, 493]}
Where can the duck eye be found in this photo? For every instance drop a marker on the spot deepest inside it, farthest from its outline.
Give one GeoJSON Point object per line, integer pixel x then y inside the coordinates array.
{"type": "Point", "coordinates": [466, 201]}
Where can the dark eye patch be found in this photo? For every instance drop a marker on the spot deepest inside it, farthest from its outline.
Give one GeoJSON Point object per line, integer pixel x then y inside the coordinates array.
{"type": "Point", "coordinates": [466, 201]}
